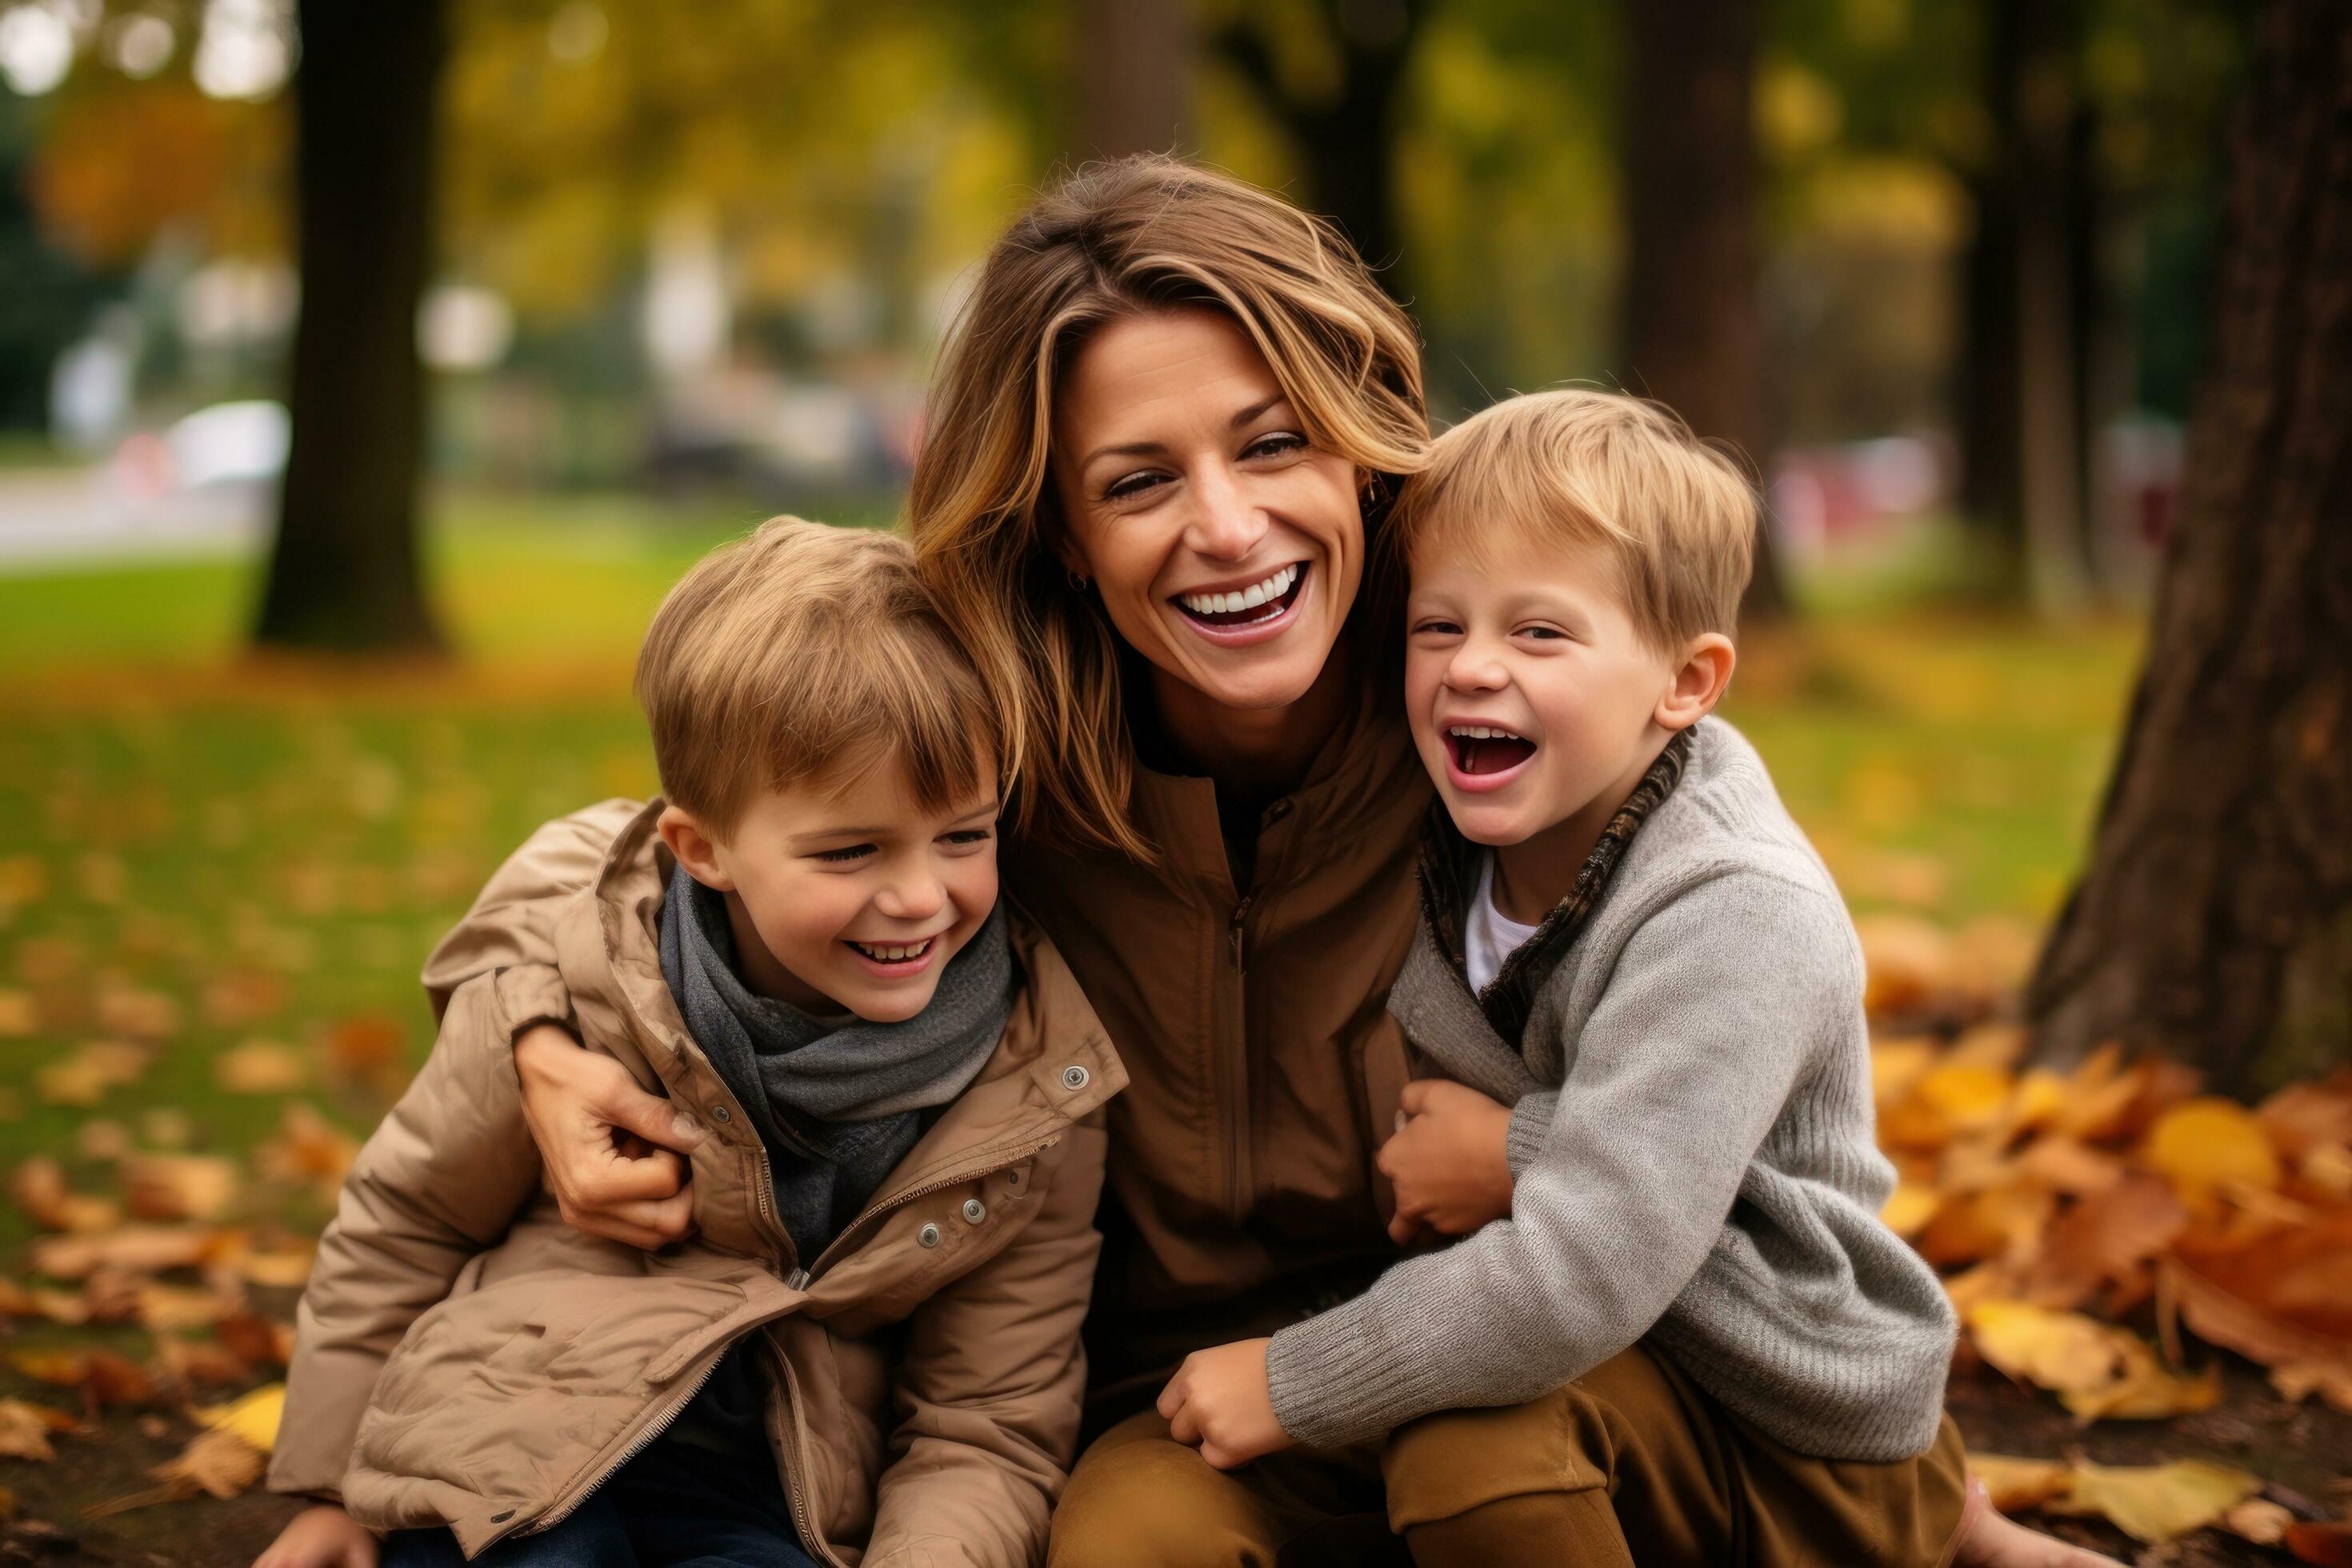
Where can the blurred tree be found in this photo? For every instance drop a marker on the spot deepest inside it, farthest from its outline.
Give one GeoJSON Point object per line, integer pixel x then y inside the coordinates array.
{"type": "Point", "coordinates": [1134, 69]}
{"type": "Point", "coordinates": [2215, 920]}
{"type": "Point", "coordinates": [1331, 72]}
{"type": "Point", "coordinates": [344, 571]}
{"type": "Point", "coordinates": [1694, 336]}
{"type": "Point", "coordinates": [2021, 440]}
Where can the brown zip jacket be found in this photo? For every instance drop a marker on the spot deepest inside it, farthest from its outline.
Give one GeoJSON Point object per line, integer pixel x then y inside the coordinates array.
{"type": "Point", "coordinates": [1242, 1195]}
{"type": "Point", "coordinates": [465, 1357]}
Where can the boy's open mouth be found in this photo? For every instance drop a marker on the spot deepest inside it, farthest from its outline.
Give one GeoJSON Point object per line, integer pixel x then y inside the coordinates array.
{"type": "Point", "coordinates": [1483, 749]}
{"type": "Point", "coordinates": [894, 956]}
{"type": "Point", "coordinates": [1263, 601]}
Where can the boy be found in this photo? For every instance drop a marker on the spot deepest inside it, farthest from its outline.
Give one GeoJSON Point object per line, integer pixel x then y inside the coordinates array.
{"type": "Point", "coordinates": [1648, 995]}
{"type": "Point", "coordinates": [871, 1343]}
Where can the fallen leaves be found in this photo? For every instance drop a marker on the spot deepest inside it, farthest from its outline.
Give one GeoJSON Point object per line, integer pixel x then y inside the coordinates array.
{"type": "Point", "coordinates": [217, 1464]}
{"type": "Point", "coordinates": [2150, 1503]}
{"type": "Point", "coordinates": [2153, 1503]}
{"type": "Point", "coordinates": [25, 1429]}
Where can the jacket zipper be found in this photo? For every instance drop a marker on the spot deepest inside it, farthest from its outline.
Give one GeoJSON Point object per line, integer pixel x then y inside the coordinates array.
{"type": "Point", "coordinates": [1234, 1036]}
{"type": "Point", "coordinates": [797, 1279]}
{"type": "Point", "coordinates": [763, 1204]}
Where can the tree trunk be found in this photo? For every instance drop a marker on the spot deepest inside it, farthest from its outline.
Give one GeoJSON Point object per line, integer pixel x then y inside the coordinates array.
{"type": "Point", "coordinates": [345, 572]}
{"type": "Point", "coordinates": [1694, 329]}
{"type": "Point", "coordinates": [2215, 920]}
{"type": "Point", "coordinates": [1134, 74]}
{"type": "Point", "coordinates": [2022, 380]}
{"type": "Point", "coordinates": [1346, 134]}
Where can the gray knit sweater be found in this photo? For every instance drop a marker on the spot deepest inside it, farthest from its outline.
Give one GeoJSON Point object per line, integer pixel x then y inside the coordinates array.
{"type": "Point", "coordinates": [1691, 1142]}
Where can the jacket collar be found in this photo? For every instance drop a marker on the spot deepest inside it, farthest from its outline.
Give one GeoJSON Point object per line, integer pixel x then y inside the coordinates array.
{"type": "Point", "coordinates": [1449, 880]}
{"type": "Point", "coordinates": [1355, 783]}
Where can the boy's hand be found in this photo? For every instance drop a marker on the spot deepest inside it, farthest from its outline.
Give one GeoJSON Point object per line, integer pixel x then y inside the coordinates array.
{"type": "Point", "coordinates": [321, 1537]}
{"type": "Point", "coordinates": [1448, 1162]}
{"type": "Point", "coordinates": [1219, 1403]}
{"type": "Point", "coordinates": [606, 1144]}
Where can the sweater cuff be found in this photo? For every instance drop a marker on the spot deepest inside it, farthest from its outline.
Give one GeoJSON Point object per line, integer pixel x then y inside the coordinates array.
{"type": "Point", "coordinates": [1530, 1125]}
{"type": "Point", "coordinates": [1333, 1378]}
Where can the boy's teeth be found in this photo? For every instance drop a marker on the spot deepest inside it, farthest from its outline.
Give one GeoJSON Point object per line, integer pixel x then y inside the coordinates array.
{"type": "Point", "coordinates": [1248, 598]}
{"type": "Point", "coordinates": [1482, 732]}
{"type": "Point", "coordinates": [892, 954]}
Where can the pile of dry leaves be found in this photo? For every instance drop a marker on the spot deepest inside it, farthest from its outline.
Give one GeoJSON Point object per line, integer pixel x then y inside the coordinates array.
{"type": "Point", "coordinates": [2105, 1230]}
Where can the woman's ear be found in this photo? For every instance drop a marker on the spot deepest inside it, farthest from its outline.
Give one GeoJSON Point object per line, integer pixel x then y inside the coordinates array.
{"type": "Point", "coordinates": [695, 849]}
{"type": "Point", "coordinates": [1699, 681]}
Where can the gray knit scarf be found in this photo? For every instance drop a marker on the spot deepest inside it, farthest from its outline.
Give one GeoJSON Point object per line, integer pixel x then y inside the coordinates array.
{"type": "Point", "coordinates": [837, 1105]}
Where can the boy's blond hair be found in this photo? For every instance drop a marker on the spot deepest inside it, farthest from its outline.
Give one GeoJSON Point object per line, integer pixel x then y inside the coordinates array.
{"type": "Point", "coordinates": [804, 651]}
{"type": "Point", "coordinates": [1675, 516]}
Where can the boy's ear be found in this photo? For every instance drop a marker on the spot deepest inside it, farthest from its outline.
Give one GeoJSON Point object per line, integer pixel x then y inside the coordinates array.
{"type": "Point", "coordinates": [1699, 681]}
{"type": "Point", "coordinates": [696, 850]}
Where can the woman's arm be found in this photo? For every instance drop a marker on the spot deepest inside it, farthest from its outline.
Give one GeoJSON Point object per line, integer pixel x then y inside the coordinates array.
{"type": "Point", "coordinates": [611, 1151]}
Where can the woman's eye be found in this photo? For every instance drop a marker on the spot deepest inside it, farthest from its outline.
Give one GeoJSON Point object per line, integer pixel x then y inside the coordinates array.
{"type": "Point", "coordinates": [846, 852]}
{"type": "Point", "coordinates": [1132, 486]}
{"type": "Point", "coordinates": [1276, 446]}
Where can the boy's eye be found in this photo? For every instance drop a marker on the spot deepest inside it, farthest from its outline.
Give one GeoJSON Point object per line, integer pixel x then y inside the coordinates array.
{"type": "Point", "coordinates": [846, 852]}
{"type": "Point", "coordinates": [1541, 632]}
{"type": "Point", "coordinates": [1438, 628]}
{"type": "Point", "coordinates": [963, 836]}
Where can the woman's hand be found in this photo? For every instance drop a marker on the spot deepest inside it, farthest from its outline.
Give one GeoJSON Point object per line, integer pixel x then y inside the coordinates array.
{"type": "Point", "coordinates": [320, 1537]}
{"type": "Point", "coordinates": [1219, 1403]}
{"type": "Point", "coordinates": [614, 1154]}
{"type": "Point", "coordinates": [1448, 1162]}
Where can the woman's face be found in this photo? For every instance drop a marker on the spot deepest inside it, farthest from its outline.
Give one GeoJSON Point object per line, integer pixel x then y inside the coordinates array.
{"type": "Point", "coordinates": [1227, 549]}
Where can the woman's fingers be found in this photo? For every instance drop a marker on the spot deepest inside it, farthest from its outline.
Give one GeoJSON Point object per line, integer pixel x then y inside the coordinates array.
{"type": "Point", "coordinates": [621, 1103]}
{"type": "Point", "coordinates": [1402, 1228]}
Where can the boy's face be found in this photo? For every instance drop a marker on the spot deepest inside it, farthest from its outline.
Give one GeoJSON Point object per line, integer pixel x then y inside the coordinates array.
{"type": "Point", "coordinates": [1533, 646]}
{"type": "Point", "coordinates": [849, 898]}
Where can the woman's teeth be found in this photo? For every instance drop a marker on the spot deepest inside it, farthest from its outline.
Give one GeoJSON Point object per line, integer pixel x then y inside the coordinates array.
{"type": "Point", "coordinates": [1249, 598]}
{"type": "Point", "coordinates": [893, 955]}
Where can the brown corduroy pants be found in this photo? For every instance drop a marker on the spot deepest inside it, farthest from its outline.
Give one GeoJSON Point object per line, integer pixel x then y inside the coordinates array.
{"type": "Point", "coordinates": [1630, 1465]}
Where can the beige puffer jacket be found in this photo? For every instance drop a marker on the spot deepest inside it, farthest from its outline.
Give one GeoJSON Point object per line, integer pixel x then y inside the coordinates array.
{"type": "Point", "coordinates": [465, 1357]}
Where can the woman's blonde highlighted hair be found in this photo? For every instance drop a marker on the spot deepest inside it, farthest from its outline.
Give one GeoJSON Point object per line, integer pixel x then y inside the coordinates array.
{"type": "Point", "coordinates": [1115, 240]}
{"type": "Point", "coordinates": [804, 652]}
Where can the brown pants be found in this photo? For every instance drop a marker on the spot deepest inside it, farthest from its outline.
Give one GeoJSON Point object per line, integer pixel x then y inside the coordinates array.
{"type": "Point", "coordinates": [1629, 1464]}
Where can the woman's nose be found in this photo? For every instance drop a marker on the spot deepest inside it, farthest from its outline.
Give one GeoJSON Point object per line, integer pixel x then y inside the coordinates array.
{"type": "Point", "coordinates": [1225, 524]}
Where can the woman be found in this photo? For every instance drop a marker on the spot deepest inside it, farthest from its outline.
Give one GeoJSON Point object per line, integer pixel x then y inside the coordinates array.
{"type": "Point", "coordinates": [1159, 451]}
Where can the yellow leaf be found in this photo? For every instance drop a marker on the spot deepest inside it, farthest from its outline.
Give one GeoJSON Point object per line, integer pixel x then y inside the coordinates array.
{"type": "Point", "coordinates": [2061, 1352]}
{"type": "Point", "coordinates": [254, 1417]}
{"type": "Point", "coordinates": [180, 1186]}
{"type": "Point", "coordinates": [2153, 1503]}
{"type": "Point", "coordinates": [19, 1017]}
{"type": "Point", "coordinates": [1908, 1209]}
{"type": "Point", "coordinates": [2203, 1144]}
{"type": "Point", "coordinates": [260, 1066]}
{"type": "Point", "coordinates": [2148, 1391]}
{"type": "Point", "coordinates": [82, 1077]}
{"type": "Point", "coordinates": [2014, 1484]}
{"type": "Point", "coordinates": [24, 1429]}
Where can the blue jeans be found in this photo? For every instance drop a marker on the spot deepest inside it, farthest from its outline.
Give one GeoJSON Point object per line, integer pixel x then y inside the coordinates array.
{"type": "Point", "coordinates": [673, 1506]}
